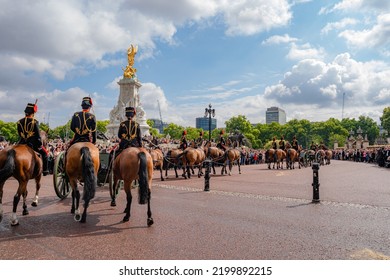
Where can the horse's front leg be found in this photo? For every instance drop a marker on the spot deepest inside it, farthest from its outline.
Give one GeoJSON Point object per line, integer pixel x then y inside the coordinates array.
{"type": "Point", "coordinates": [1, 201]}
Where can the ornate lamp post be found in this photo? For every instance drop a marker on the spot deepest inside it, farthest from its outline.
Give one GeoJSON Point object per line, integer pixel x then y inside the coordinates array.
{"type": "Point", "coordinates": [208, 113]}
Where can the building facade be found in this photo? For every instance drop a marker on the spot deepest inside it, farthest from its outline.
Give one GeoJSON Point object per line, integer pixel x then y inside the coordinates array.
{"type": "Point", "coordinates": [159, 125]}
{"type": "Point", "coordinates": [203, 123]}
{"type": "Point", "coordinates": [275, 114]}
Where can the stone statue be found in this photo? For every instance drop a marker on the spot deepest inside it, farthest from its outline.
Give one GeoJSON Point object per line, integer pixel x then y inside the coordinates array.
{"type": "Point", "coordinates": [129, 71]}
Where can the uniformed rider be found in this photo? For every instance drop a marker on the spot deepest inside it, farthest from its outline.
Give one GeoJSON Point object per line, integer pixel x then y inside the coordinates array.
{"type": "Point", "coordinates": [183, 140]}
{"type": "Point", "coordinates": [83, 124]}
{"type": "Point", "coordinates": [199, 141]}
{"type": "Point", "coordinates": [129, 132]}
{"type": "Point", "coordinates": [28, 131]}
{"type": "Point", "coordinates": [221, 143]}
{"type": "Point", "coordinates": [282, 144]}
{"type": "Point", "coordinates": [294, 143]}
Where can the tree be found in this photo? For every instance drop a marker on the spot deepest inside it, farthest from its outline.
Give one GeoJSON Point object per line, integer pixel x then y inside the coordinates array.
{"type": "Point", "coordinates": [10, 131]}
{"type": "Point", "coordinates": [174, 130]}
{"type": "Point", "coordinates": [239, 123]}
{"type": "Point", "coordinates": [102, 125]}
{"type": "Point", "coordinates": [153, 131]}
{"type": "Point", "coordinates": [385, 119]}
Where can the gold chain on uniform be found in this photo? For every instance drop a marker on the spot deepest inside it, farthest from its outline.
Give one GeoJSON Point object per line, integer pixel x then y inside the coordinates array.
{"type": "Point", "coordinates": [85, 127]}
{"type": "Point", "coordinates": [27, 129]}
{"type": "Point", "coordinates": [132, 136]}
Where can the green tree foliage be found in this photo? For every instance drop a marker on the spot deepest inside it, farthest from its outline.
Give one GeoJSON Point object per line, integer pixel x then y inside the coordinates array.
{"type": "Point", "coordinates": [174, 131]}
{"type": "Point", "coordinates": [102, 125]}
{"type": "Point", "coordinates": [153, 131]}
{"type": "Point", "coordinates": [385, 119]}
{"type": "Point", "coordinates": [9, 131]}
{"type": "Point", "coordinates": [239, 123]}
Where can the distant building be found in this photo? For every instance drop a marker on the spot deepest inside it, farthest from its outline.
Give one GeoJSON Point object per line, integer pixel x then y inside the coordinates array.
{"type": "Point", "coordinates": [275, 114]}
{"type": "Point", "coordinates": [204, 123]}
{"type": "Point", "coordinates": [159, 125]}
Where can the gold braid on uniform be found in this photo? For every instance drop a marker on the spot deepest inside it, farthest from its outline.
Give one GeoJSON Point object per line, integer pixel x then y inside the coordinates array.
{"type": "Point", "coordinates": [130, 132]}
{"type": "Point", "coordinates": [27, 129]}
{"type": "Point", "coordinates": [85, 129]}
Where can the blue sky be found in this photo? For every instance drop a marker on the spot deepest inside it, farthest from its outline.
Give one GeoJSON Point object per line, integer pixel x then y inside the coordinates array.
{"type": "Point", "coordinates": [240, 56]}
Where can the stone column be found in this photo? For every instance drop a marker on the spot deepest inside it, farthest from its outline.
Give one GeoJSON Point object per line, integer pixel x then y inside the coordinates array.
{"type": "Point", "coordinates": [128, 96]}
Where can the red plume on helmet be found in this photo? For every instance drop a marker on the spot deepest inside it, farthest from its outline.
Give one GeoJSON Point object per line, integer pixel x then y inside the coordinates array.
{"type": "Point", "coordinates": [184, 132]}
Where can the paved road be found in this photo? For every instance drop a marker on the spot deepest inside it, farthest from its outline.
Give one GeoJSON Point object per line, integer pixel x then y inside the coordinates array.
{"type": "Point", "coordinates": [260, 214]}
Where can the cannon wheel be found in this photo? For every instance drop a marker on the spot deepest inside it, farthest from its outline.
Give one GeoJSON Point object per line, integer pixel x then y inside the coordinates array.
{"type": "Point", "coordinates": [60, 182]}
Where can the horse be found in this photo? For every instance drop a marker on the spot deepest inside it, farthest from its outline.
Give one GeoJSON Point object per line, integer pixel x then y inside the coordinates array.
{"type": "Point", "coordinates": [216, 155]}
{"type": "Point", "coordinates": [171, 160]}
{"type": "Point", "coordinates": [328, 156]}
{"type": "Point", "coordinates": [82, 165]}
{"type": "Point", "coordinates": [291, 157]}
{"type": "Point", "coordinates": [320, 157]}
{"type": "Point", "coordinates": [311, 156]}
{"type": "Point", "coordinates": [23, 163]}
{"type": "Point", "coordinates": [192, 157]}
{"type": "Point", "coordinates": [231, 155]}
{"type": "Point", "coordinates": [275, 156]}
{"type": "Point", "coordinates": [133, 164]}
{"type": "Point", "coordinates": [158, 160]}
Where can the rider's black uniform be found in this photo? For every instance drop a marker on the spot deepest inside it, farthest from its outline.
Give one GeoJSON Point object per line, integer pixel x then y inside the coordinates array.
{"type": "Point", "coordinates": [28, 131]}
{"type": "Point", "coordinates": [83, 125]}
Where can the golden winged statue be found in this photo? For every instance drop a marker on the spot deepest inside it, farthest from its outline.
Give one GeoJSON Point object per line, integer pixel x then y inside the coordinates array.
{"type": "Point", "coordinates": [129, 71]}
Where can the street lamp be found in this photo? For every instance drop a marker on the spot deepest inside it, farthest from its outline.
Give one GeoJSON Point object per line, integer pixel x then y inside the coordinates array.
{"type": "Point", "coordinates": [208, 113]}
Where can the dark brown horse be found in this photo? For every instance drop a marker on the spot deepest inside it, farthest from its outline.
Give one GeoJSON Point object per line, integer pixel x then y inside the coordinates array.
{"type": "Point", "coordinates": [216, 154]}
{"type": "Point", "coordinates": [232, 156]}
{"type": "Point", "coordinates": [275, 156]}
{"type": "Point", "coordinates": [23, 163]}
{"type": "Point", "coordinates": [292, 156]}
{"type": "Point", "coordinates": [82, 165]}
{"type": "Point", "coordinates": [134, 164]}
{"type": "Point", "coordinates": [328, 156]}
{"type": "Point", "coordinates": [158, 160]}
{"type": "Point", "coordinates": [171, 160]}
{"type": "Point", "coordinates": [192, 157]}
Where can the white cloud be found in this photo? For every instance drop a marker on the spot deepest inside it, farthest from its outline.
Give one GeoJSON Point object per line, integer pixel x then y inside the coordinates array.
{"type": "Point", "coordinates": [338, 25]}
{"type": "Point", "coordinates": [376, 37]}
{"type": "Point", "coordinates": [279, 39]}
{"type": "Point", "coordinates": [305, 51]}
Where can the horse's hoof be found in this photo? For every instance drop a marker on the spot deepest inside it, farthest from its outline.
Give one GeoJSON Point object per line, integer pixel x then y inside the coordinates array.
{"type": "Point", "coordinates": [77, 217]}
{"type": "Point", "coordinates": [25, 212]}
{"type": "Point", "coordinates": [34, 204]}
{"type": "Point", "coordinates": [113, 203]}
{"type": "Point", "coordinates": [83, 220]}
{"type": "Point", "coordinates": [150, 222]}
{"type": "Point", "coordinates": [14, 223]}
{"type": "Point", "coordinates": [162, 179]}
{"type": "Point", "coordinates": [125, 219]}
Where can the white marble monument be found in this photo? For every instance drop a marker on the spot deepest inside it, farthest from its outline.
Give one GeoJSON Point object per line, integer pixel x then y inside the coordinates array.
{"type": "Point", "coordinates": [128, 96]}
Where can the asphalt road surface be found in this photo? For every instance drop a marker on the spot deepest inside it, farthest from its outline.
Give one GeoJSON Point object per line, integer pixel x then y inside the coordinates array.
{"type": "Point", "coordinates": [259, 214]}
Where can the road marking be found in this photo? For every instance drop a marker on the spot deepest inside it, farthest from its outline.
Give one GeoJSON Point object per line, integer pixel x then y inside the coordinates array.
{"type": "Point", "coordinates": [275, 198]}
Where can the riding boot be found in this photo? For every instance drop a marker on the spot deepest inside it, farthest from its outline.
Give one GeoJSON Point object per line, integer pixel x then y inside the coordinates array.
{"type": "Point", "coordinates": [45, 170]}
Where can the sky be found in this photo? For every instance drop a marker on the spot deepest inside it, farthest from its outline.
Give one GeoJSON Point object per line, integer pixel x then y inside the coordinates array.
{"type": "Point", "coordinates": [314, 59]}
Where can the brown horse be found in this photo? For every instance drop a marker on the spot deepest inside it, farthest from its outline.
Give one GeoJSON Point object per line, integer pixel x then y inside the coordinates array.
{"type": "Point", "coordinates": [216, 154]}
{"type": "Point", "coordinates": [23, 163]}
{"type": "Point", "coordinates": [232, 156]}
{"type": "Point", "coordinates": [82, 165]}
{"type": "Point", "coordinates": [171, 159]}
{"type": "Point", "coordinates": [328, 156]}
{"type": "Point", "coordinates": [134, 164]}
{"type": "Point", "coordinates": [292, 156]}
{"type": "Point", "coordinates": [192, 157]}
{"type": "Point", "coordinates": [275, 156]}
{"type": "Point", "coordinates": [158, 160]}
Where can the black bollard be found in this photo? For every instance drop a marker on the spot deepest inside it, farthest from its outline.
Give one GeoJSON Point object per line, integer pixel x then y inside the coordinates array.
{"type": "Point", "coordinates": [207, 175]}
{"type": "Point", "coordinates": [316, 184]}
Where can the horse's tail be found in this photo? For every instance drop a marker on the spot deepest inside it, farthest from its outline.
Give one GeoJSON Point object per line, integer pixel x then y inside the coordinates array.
{"type": "Point", "coordinates": [90, 180]}
{"type": "Point", "coordinates": [9, 166]}
{"type": "Point", "coordinates": [143, 190]}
